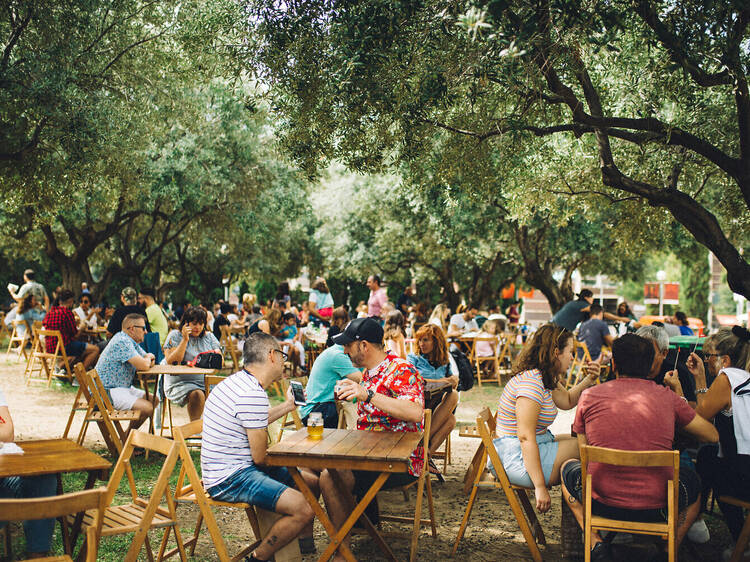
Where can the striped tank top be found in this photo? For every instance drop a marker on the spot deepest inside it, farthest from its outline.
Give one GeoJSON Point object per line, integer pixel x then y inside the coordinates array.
{"type": "Point", "coordinates": [527, 384]}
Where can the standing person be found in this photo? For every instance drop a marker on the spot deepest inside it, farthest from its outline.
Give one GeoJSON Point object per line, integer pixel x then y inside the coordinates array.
{"type": "Point", "coordinates": [404, 301]}
{"type": "Point", "coordinates": [378, 296]}
{"type": "Point", "coordinates": [61, 318]}
{"type": "Point", "coordinates": [727, 401]}
{"type": "Point", "coordinates": [320, 302]}
{"type": "Point", "coordinates": [154, 315]}
{"type": "Point", "coordinates": [31, 286]}
{"type": "Point", "coordinates": [38, 533]}
{"type": "Point", "coordinates": [513, 314]}
{"type": "Point", "coordinates": [118, 364]}
{"type": "Point", "coordinates": [530, 454]}
{"type": "Point", "coordinates": [129, 300]}
{"type": "Point", "coordinates": [633, 414]}
{"type": "Point", "coordinates": [283, 300]}
{"type": "Point", "coordinates": [221, 319]}
{"type": "Point", "coordinates": [390, 398]}
{"type": "Point", "coordinates": [183, 345]}
{"type": "Point", "coordinates": [574, 312]}
{"type": "Point", "coordinates": [594, 332]}
{"type": "Point", "coordinates": [234, 443]}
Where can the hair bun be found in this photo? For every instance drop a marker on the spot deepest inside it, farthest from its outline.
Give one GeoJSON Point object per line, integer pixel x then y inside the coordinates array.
{"type": "Point", "coordinates": [741, 333]}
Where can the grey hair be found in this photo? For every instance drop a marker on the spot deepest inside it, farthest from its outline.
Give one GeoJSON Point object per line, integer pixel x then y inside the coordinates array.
{"type": "Point", "coordinates": [131, 319]}
{"type": "Point", "coordinates": [726, 342]}
{"type": "Point", "coordinates": [256, 348]}
{"type": "Point", "coordinates": [656, 334]}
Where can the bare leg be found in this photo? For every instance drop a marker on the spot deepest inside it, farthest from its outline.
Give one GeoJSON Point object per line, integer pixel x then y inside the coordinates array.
{"type": "Point", "coordinates": [577, 508]}
{"type": "Point", "coordinates": [296, 515]}
{"type": "Point", "coordinates": [145, 408]}
{"type": "Point", "coordinates": [443, 420]}
{"type": "Point", "coordinates": [312, 480]}
{"type": "Point", "coordinates": [90, 355]}
{"type": "Point", "coordinates": [567, 448]}
{"type": "Point", "coordinates": [196, 400]}
{"type": "Point", "coordinates": [684, 520]}
{"type": "Point", "coordinates": [338, 508]}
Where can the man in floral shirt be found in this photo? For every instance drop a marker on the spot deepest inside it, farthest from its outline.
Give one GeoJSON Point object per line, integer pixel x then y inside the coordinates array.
{"type": "Point", "coordinates": [390, 398]}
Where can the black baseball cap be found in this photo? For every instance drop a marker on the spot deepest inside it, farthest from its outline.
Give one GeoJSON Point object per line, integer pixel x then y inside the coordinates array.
{"type": "Point", "coordinates": [360, 329]}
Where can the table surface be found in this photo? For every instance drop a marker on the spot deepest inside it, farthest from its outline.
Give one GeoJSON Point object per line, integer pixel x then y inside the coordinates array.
{"type": "Point", "coordinates": [382, 451]}
{"type": "Point", "coordinates": [683, 341]}
{"type": "Point", "coordinates": [176, 370]}
{"type": "Point", "coordinates": [51, 456]}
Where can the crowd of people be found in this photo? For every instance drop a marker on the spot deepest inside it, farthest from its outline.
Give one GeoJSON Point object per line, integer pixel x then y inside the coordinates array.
{"type": "Point", "coordinates": [365, 358]}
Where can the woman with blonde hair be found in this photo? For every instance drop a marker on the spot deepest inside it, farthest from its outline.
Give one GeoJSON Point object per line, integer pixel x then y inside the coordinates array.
{"type": "Point", "coordinates": [394, 334]}
{"type": "Point", "coordinates": [440, 315]}
{"type": "Point", "coordinates": [436, 364]}
{"type": "Point", "coordinates": [530, 454]}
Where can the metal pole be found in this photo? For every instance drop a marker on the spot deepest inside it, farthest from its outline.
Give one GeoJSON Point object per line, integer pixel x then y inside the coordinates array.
{"type": "Point", "coordinates": [661, 298]}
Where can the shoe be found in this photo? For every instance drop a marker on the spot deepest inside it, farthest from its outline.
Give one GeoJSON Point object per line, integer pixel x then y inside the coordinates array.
{"type": "Point", "coordinates": [602, 552]}
{"type": "Point", "coordinates": [698, 532]}
{"type": "Point", "coordinates": [436, 471]}
{"type": "Point", "coordinates": [306, 545]}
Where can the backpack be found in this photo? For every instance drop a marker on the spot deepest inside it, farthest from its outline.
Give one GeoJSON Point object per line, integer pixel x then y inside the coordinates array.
{"type": "Point", "coordinates": [465, 370]}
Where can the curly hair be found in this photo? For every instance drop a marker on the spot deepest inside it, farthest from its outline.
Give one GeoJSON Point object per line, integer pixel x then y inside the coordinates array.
{"type": "Point", "coordinates": [194, 314]}
{"type": "Point", "coordinates": [439, 354]}
{"type": "Point", "coordinates": [539, 353]}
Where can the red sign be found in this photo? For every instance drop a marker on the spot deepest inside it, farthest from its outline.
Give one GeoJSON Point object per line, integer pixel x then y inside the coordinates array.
{"type": "Point", "coordinates": [671, 293]}
{"type": "Point", "coordinates": [651, 293]}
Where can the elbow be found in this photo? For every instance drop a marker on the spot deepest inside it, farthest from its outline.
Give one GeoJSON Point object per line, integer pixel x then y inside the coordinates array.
{"type": "Point", "coordinates": [259, 458]}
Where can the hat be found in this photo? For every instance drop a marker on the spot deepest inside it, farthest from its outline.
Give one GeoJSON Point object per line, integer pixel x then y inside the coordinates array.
{"type": "Point", "coordinates": [129, 294]}
{"type": "Point", "coordinates": [360, 329]}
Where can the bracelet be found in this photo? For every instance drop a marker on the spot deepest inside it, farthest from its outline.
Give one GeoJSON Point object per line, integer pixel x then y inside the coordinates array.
{"type": "Point", "coordinates": [685, 399]}
{"type": "Point", "coordinates": [701, 390]}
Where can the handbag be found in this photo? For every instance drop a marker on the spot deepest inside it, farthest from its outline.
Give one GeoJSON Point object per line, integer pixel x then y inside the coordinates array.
{"type": "Point", "coordinates": [207, 360]}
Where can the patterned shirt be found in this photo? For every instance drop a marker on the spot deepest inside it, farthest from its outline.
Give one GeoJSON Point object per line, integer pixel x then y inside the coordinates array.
{"type": "Point", "coordinates": [527, 384]}
{"type": "Point", "coordinates": [235, 405]}
{"type": "Point", "coordinates": [395, 378]}
{"type": "Point", "coordinates": [62, 319]}
{"type": "Point", "coordinates": [36, 289]}
{"type": "Point", "coordinates": [113, 366]}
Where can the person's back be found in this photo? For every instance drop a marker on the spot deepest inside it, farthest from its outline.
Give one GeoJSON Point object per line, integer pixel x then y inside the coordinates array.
{"type": "Point", "coordinates": [593, 333]}
{"type": "Point", "coordinates": [329, 368]}
{"type": "Point", "coordinates": [570, 314]}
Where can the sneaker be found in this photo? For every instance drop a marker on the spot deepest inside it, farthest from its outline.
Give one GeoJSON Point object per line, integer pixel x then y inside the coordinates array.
{"type": "Point", "coordinates": [698, 532]}
{"type": "Point", "coordinates": [601, 552]}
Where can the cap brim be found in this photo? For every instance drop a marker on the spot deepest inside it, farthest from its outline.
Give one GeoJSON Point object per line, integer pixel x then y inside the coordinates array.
{"type": "Point", "coordinates": [342, 339]}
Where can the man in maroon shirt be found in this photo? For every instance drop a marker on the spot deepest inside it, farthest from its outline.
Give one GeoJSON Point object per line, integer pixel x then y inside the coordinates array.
{"type": "Point", "coordinates": [61, 317]}
{"type": "Point", "coordinates": [634, 414]}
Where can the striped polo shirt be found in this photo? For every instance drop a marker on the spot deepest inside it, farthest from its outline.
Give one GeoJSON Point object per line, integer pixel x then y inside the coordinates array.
{"type": "Point", "coordinates": [527, 384]}
{"type": "Point", "coordinates": [234, 405]}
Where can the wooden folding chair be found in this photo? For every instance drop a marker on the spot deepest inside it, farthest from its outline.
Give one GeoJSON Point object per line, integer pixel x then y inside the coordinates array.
{"type": "Point", "coordinates": [493, 359]}
{"type": "Point", "coordinates": [191, 491]}
{"type": "Point", "coordinates": [47, 361]}
{"type": "Point", "coordinates": [19, 339]}
{"type": "Point", "coordinates": [230, 348]}
{"type": "Point", "coordinates": [744, 537]}
{"type": "Point", "coordinates": [80, 403]}
{"type": "Point", "coordinates": [291, 420]}
{"type": "Point", "coordinates": [517, 495]}
{"type": "Point", "coordinates": [143, 513]}
{"type": "Point", "coordinates": [423, 483]}
{"type": "Point", "coordinates": [616, 457]}
{"type": "Point", "coordinates": [93, 501]}
{"type": "Point", "coordinates": [101, 411]}
{"type": "Point", "coordinates": [211, 381]}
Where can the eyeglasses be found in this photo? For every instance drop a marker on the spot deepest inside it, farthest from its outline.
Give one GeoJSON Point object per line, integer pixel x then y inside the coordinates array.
{"type": "Point", "coordinates": [707, 355]}
{"type": "Point", "coordinates": [284, 355]}
{"type": "Point", "coordinates": [138, 326]}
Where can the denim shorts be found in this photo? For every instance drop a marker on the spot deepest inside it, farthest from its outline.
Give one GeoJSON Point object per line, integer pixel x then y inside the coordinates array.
{"type": "Point", "coordinates": [254, 485]}
{"type": "Point", "coordinates": [509, 450]}
{"type": "Point", "coordinates": [75, 348]}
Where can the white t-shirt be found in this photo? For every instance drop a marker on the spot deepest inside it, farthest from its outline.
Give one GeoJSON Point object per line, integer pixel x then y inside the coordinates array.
{"type": "Point", "coordinates": [234, 405]}
{"type": "Point", "coordinates": [90, 322]}
{"type": "Point", "coordinates": [460, 322]}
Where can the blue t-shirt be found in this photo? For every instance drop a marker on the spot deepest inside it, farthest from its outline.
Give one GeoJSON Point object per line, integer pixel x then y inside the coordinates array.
{"type": "Point", "coordinates": [425, 368]}
{"type": "Point", "coordinates": [113, 367]}
{"type": "Point", "coordinates": [288, 332]}
{"type": "Point", "coordinates": [329, 368]}
{"type": "Point", "coordinates": [686, 331]}
{"type": "Point", "coordinates": [321, 300]}
{"type": "Point", "coordinates": [592, 333]}
{"type": "Point", "coordinates": [570, 315]}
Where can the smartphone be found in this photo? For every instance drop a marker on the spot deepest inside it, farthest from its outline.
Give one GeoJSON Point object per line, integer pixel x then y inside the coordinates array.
{"type": "Point", "coordinates": [298, 392]}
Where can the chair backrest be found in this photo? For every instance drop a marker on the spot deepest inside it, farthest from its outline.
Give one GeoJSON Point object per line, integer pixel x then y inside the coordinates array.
{"type": "Point", "coordinates": [98, 391]}
{"type": "Point", "coordinates": [211, 381]}
{"type": "Point", "coordinates": [79, 371]}
{"type": "Point", "coordinates": [57, 506]}
{"type": "Point", "coordinates": [486, 427]}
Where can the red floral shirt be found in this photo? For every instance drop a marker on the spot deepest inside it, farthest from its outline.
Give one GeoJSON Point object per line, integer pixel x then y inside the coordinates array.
{"type": "Point", "coordinates": [60, 318]}
{"type": "Point", "coordinates": [395, 378]}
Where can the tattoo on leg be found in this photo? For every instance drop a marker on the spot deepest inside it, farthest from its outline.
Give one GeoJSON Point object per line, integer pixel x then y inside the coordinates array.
{"type": "Point", "coordinates": [572, 499]}
{"type": "Point", "coordinates": [272, 540]}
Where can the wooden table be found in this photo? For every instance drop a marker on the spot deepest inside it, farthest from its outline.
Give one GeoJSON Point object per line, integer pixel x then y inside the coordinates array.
{"type": "Point", "coordinates": [55, 456]}
{"type": "Point", "coordinates": [385, 452]}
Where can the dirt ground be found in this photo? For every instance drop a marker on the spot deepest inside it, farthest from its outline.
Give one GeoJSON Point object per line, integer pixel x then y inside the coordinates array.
{"type": "Point", "coordinates": [493, 533]}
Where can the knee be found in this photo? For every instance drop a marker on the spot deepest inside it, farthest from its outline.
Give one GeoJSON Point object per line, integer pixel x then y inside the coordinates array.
{"type": "Point", "coordinates": [196, 397]}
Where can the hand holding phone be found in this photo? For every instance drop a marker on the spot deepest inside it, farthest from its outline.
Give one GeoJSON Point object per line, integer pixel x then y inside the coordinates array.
{"type": "Point", "coordinates": [298, 393]}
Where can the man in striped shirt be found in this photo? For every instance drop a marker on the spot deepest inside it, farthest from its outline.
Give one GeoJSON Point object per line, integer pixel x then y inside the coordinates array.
{"type": "Point", "coordinates": [235, 420]}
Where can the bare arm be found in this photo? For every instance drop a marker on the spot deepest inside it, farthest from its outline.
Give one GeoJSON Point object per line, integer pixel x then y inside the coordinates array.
{"type": "Point", "coordinates": [453, 331]}
{"type": "Point", "coordinates": [608, 339]}
{"type": "Point", "coordinates": [612, 317]}
{"type": "Point", "coordinates": [258, 440]}
{"type": "Point", "coordinates": [567, 399]}
{"type": "Point", "coordinates": [355, 376]}
{"type": "Point", "coordinates": [175, 355]}
{"type": "Point", "coordinates": [527, 415]}
{"type": "Point", "coordinates": [142, 363]}
{"type": "Point", "coordinates": [284, 408]}
{"type": "Point", "coordinates": [401, 409]}
{"type": "Point", "coordinates": [702, 430]}
{"type": "Point", "coordinates": [6, 425]}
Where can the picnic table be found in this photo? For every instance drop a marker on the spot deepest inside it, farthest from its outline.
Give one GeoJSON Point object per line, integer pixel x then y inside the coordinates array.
{"type": "Point", "coordinates": [686, 342]}
{"type": "Point", "coordinates": [55, 456]}
{"type": "Point", "coordinates": [385, 452]}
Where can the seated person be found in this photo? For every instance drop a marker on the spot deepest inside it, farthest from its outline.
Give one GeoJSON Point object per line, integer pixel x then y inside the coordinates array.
{"type": "Point", "coordinates": [664, 362]}
{"type": "Point", "coordinates": [182, 346]}
{"type": "Point", "coordinates": [38, 533]}
{"type": "Point", "coordinates": [606, 417]}
{"type": "Point", "coordinates": [394, 335]}
{"type": "Point", "coordinates": [129, 300]}
{"type": "Point", "coordinates": [31, 286]}
{"type": "Point", "coordinates": [331, 366]}
{"type": "Point", "coordinates": [221, 319]}
{"type": "Point", "coordinates": [594, 332]}
{"type": "Point", "coordinates": [339, 320]}
{"type": "Point", "coordinates": [435, 364]}
{"type": "Point", "coordinates": [235, 423]}
{"type": "Point", "coordinates": [390, 398]}
{"type": "Point", "coordinates": [491, 328]}
{"type": "Point", "coordinates": [463, 322]}
{"type": "Point", "coordinates": [320, 302]}
{"type": "Point", "coordinates": [727, 354]}
{"type": "Point", "coordinates": [289, 334]}
{"type": "Point", "coordinates": [61, 317]}
{"type": "Point", "coordinates": [530, 454]}
{"type": "Point", "coordinates": [681, 321]}
{"type": "Point", "coordinates": [28, 311]}
{"type": "Point", "coordinates": [118, 364]}
{"type": "Point", "coordinates": [86, 313]}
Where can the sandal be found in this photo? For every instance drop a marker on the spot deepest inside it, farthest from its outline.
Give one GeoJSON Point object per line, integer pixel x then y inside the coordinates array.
{"type": "Point", "coordinates": [435, 470]}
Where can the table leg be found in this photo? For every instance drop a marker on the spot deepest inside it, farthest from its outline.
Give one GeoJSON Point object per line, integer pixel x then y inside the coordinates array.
{"type": "Point", "coordinates": [369, 527]}
{"type": "Point", "coordinates": [67, 544]}
{"type": "Point", "coordinates": [76, 529]}
{"type": "Point", "coordinates": [322, 516]}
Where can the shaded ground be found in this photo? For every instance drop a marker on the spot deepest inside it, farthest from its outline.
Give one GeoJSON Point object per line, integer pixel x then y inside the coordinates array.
{"type": "Point", "coordinates": [493, 533]}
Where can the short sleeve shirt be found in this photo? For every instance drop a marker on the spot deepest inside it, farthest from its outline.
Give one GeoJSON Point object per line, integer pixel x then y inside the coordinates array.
{"type": "Point", "coordinates": [62, 319]}
{"type": "Point", "coordinates": [157, 321]}
{"type": "Point", "coordinates": [113, 365]}
{"type": "Point", "coordinates": [460, 322]}
{"type": "Point", "coordinates": [206, 342]}
{"type": "Point", "coordinates": [376, 301]}
{"type": "Point", "coordinates": [634, 415]}
{"type": "Point", "coordinates": [235, 405]}
{"type": "Point", "coordinates": [329, 368]}
{"type": "Point", "coordinates": [321, 300]}
{"type": "Point", "coordinates": [528, 384]}
{"type": "Point", "coordinates": [395, 378]}
{"type": "Point", "coordinates": [570, 315]}
{"type": "Point", "coordinates": [592, 333]}
{"type": "Point", "coordinates": [36, 289]}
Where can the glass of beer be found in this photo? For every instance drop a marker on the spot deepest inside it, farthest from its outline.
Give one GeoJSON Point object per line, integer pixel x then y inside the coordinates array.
{"type": "Point", "coordinates": [315, 425]}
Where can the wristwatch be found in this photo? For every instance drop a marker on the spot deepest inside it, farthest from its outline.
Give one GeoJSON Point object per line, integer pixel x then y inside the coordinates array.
{"type": "Point", "coordinates": [370, 394]}
{"type": "Point", "coordinates": [701, 390]}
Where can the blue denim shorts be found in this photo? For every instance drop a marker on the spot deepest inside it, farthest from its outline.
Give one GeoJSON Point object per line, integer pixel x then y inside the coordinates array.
{"type": "Point", "coordinates": [509, 451]}
{"type": "Point", "coordinates": [255, 485]}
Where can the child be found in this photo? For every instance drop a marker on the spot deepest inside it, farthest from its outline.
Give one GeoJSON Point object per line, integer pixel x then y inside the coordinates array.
{"type": "Point", "coordinates": [288, 333]}
{"type": "Point", "coordinates": [491, 328]}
